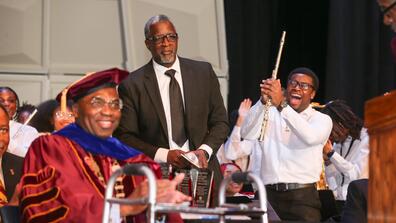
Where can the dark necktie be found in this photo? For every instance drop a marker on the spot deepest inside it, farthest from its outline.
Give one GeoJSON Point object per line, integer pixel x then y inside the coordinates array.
{"type": "Point", "coordinates": [177, 110]}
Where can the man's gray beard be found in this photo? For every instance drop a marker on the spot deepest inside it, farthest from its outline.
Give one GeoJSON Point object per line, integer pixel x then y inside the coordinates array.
{"type": "Point", "coordinates": [164, 60]}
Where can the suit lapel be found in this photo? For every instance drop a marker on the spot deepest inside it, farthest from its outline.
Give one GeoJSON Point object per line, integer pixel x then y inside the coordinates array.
{"type": "Point", "coordinates": [188, 89]}
{"type": "Point", "coordinates": [151, 86]}
{"type": "Point", "coordinates": [8, 172]}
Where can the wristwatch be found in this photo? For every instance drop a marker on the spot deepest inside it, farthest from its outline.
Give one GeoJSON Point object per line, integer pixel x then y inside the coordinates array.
{"type": "Point", "coordinates": [282, 105]}
{"type": "Point", "coordinates": [330, 154]}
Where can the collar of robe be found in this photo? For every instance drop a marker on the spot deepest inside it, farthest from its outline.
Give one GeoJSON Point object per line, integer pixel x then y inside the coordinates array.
{"type": "Point", "coordinates": [110, 146]}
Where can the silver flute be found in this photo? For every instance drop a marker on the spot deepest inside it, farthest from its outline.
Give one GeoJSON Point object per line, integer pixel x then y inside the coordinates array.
{"type": "Point", "coordinates": [274, 75]}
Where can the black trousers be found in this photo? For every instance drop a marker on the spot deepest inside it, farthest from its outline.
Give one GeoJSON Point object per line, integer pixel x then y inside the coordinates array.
{"type": "Point", "coordinates": [296, 205]}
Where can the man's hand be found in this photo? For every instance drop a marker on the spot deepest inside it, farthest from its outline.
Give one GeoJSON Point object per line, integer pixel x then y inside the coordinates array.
{"type": "Point", "coordinates": [327, 148]}
{"type": "Point", "coordinates": [203, 161]}
{"type": "Point", "coordinates": [174, 158]}
{"type": "Point", "coordinates": [273, 89]}
{"type": "Point", "coordinates": [166, 193]}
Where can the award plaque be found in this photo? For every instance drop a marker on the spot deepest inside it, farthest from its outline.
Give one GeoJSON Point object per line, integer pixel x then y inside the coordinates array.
{"type": "Point", "coordinates": [185, 185]}
{"type": "Point", "coordinates": [166, 171]}
{"type": "Point", "coordinates": [203, 189]}
{"type": "Point", "coordinates": [197, 183]}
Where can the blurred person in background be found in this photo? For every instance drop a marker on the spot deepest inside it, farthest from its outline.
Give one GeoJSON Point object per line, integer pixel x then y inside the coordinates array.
{"type": "Point", "coordinates": [346, 152]}
{"type": "Point", "coordinates": [24, 112]}
{"type": "Point", "coordinates": [21, 136]}
{"type": "Point", "coordinates": [50, 118]}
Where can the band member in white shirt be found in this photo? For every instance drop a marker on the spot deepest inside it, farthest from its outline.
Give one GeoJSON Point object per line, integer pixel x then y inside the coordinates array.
{"type": "Point", "coordinates": [347, 150]}
{"type": "Point", "coordinates": [292, 145]}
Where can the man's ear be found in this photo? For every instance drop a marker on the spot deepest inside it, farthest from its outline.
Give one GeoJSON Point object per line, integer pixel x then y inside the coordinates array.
{"type": "Point", "coordinates": [147, 42]}
{"type": "Point", "coordinates": [313, 94]}
{"type": "Point", "coordinates": [75, 110]}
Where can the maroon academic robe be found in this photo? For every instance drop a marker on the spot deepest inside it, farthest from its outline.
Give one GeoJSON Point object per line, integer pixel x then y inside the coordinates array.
{"type": "Point", "coordinates": [58, 184]}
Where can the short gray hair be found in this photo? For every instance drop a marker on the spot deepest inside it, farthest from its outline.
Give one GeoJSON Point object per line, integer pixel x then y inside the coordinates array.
{"type": "Point", "coordinates": [151, 21]}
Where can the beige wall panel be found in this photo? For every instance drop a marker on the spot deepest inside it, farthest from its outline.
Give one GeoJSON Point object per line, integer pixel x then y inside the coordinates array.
{"type": "Point", "coordinates": [47, 44]}
{"type": "Point", "coordinates": [21, 34]}
{"type": "Point", "coordinates": [30, 88]}
{"type": "Point", "coordinates": [58, 83]}
{"type": "Point", "coordinates": [224, 89]}
{"type": "Point", "coordinates": [85, 35]}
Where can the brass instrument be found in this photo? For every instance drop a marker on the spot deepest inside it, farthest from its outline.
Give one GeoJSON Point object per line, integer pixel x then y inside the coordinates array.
{"type": "Point", "coordinates": [274, 75]}
{"type": "Point", "coordinates": [322, 183]}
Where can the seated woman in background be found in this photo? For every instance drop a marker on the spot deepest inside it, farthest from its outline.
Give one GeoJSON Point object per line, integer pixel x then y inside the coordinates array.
{"type": "Point", "coordinates": [245, 153]}
{"type": "Point", "coordinates": [21, 136]}
{"type": "Point", "coordinates": [49, 117]}
{"type": "Point", "coordinates": [227, 169]}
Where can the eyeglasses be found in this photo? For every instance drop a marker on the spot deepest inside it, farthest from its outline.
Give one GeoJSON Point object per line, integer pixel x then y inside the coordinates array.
{"type": "Point", "coordinates": [63, 115]}
{"type": "Point", "coordinates": [9, 100]}
{"type": "Point", "coordinates": [385, 10]}
{"type": "Point", "coordinates": [171, 37]}
{"type": "Point", "coordinates": [4, 130]}
{"type": "Point", "coordinates": [99, 103]}
{"type": "Point", "coordinates": [302, 85]}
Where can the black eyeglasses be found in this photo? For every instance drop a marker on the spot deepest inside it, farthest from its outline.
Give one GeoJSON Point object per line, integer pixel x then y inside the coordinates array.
{"type": "Point", "coordinates": [387, 9]}
{"type": "Point", "coordinates": [171, 37]}
{"type": "Point", "coordinates": [302, 85]}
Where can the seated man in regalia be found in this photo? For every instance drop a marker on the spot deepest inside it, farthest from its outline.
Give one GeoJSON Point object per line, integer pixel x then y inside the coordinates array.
{"type": "Point", "coordinates": [65, 174]}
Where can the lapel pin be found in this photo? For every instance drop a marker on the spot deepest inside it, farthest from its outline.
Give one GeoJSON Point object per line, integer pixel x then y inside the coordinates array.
{"type": "Point", "coordinates": [12, 172]}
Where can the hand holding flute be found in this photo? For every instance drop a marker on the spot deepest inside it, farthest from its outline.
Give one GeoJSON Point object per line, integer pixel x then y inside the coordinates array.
{"type": "Point", "coordinates": [272, 89]}
{"type": "Point", "coordinates": [268, 89]}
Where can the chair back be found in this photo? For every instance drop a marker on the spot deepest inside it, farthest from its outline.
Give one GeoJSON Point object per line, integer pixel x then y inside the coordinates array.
{"type": "Point", "coordinates": [10, 214]}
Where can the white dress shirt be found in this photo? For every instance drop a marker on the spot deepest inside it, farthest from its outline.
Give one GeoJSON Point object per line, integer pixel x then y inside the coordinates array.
{"type": "Point", "coordinates": [239, 150]}
{"type": "Point", "coordinates": [292, 145]}
{"type": "Point", "coordinates": [163, 85]}
{"type": "Point", "coordinates": [347, 166]}
{"type": "Point", "coordinates": [21, 136]}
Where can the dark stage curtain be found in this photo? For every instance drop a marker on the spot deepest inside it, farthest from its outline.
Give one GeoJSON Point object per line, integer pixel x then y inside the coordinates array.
{"type": "Point", "coordinates": [359, 63]}
{"type": "Point", "coordinates": [343, 41]}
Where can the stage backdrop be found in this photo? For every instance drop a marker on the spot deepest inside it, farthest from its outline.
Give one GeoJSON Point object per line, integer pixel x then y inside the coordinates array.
{"type": "Point", "coordinates": [344, 42]}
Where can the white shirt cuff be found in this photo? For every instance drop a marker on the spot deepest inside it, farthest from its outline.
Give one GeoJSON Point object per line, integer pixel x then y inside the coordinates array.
{"type": "Point", "coordinates": [161, 156]}
{"type": "Point", "coordinates": [207, 149]}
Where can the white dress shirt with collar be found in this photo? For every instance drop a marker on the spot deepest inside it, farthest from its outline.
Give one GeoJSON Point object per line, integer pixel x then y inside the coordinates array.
{"type": "Point", "coordinates": [293, 143]}
{"type": "Point", "coordinates": [21, 136]}
{"type": "Point", "coordinates": [163, 84]}
{"type": "Point", "coordinates": [348, 163]}
{"type": "Point", "coordinates": [237, 149]}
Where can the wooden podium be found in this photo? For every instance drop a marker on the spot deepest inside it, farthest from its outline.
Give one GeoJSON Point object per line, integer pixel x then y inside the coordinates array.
{"type": "Point", "coordinates": [380, 119]}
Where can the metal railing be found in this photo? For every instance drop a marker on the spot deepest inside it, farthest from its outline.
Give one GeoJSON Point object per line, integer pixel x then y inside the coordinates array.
{"type": "Point", "coordinates": [223, 210]}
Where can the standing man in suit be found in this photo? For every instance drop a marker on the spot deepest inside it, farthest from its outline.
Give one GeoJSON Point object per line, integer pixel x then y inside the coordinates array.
{"type": "Point", "coordinates": [149, 121]}
{"type": "Point", "coordinates": [11, 165]}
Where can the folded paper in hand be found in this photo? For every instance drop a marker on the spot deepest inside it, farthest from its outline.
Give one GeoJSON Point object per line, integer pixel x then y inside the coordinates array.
{"type": "Point", "coordinates": [192, 159]}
